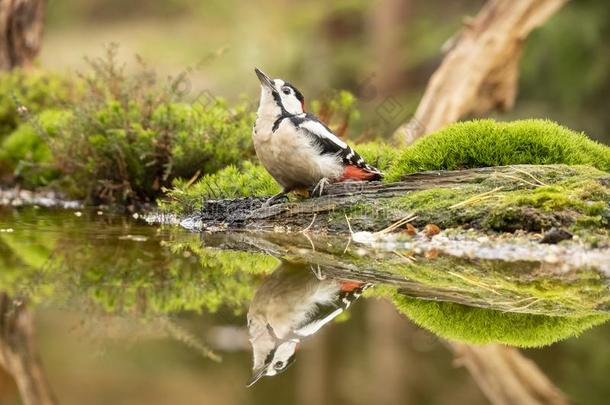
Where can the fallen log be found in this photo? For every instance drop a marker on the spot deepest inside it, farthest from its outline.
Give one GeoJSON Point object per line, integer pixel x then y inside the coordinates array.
{"type": "Point", "coordinates": [481, 198]}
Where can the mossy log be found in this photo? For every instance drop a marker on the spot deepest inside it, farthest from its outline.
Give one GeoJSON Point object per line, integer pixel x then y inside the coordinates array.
{"type": "Point", "coordinates": [505, 198]}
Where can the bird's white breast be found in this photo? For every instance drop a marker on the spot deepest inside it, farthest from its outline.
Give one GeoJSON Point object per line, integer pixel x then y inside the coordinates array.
{"type": "Point", "coordinates": [290, 157]}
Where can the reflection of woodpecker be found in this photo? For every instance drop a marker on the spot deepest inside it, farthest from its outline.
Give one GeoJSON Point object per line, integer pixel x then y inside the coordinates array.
{"type": "Point", "coordinates": [289, 305]}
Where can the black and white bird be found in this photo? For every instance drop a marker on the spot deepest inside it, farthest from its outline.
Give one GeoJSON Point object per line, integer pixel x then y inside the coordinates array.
{"type": "Point", "coordinates": [291, 304]}
{"type": "Point", "coordinates": [296, 148]}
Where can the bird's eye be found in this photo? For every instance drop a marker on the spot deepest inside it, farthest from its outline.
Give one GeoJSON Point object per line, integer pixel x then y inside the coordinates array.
{"type": "Point", "coordinates": [278, 365]}
{"type": "Point", "coordinates": [286, 90]}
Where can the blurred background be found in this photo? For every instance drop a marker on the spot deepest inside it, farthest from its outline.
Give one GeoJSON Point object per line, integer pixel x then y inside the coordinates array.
{"type": "Point", "coordinates": [377, 356]}
{"type": "Point", "coordinates": [375, 49]}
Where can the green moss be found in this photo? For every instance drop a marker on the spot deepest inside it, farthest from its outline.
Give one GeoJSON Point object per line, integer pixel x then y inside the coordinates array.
{"type": "Point", "coordinates": [230, 182]}
{"type": "Point", "coordinates": [572, 196]}
{"type": "Point", "coordinates": [483, 326]}
{"type": "Point", "coordinates": [379, 154]}
{"type": "Point", "coordinates": [482, 143]}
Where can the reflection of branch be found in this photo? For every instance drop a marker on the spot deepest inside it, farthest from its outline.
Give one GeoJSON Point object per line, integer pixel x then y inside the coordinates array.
{"type": "Point", "coordinates": [182, 335]}
{"type": "Point", "coordinates": [505, 376]}
{"type": "Point", "coordinates": [18, 354]}
{"type": "Point", "coordinates": [481, 68]}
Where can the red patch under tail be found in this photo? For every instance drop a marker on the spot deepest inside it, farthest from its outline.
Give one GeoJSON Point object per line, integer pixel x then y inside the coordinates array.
{"type": "Point", "coordinates": [357, 173]}
{"type": "Point", "coordinates": [349, 286]}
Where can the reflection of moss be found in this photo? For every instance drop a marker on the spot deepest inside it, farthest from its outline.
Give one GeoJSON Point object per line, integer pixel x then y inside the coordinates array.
{"type": "Point", "coordinates": [509, 285]}
{"type": "Point", "coordinates": [482, 326]}
{"type": "Point", "coordinates": [186, 276]}
{"type": "Point", "coordinates": [482, 143]}
{"type": "Point", "coordinates": [548, 306]}
{"type": "Point", "coordinates": [83, 263]}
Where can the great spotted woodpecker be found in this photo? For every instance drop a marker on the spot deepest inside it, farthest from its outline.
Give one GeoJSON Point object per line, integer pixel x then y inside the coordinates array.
{"type": "Point", "coordinates": [291, 304]}
{"type": "Point", "coordinates": [296, 148]}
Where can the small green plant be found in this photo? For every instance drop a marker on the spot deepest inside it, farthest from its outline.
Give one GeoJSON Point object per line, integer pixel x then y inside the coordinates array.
{"type": "Point", "coordinates": [130, 136]}
{"type": "Point", "coordinates": [338, 110]}
{"type": "Point", "coordinates": [37, 90]}
{"type": "Point", "coordinates": [25, 153]}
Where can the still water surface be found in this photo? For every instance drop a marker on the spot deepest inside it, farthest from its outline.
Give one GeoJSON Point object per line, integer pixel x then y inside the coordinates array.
{"type": "Point", "coordinates": [127, 313]}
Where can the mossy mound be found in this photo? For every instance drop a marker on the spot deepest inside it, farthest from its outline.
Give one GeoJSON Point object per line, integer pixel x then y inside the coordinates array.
{"type": "Point", "coordinates": [484, 143]}
{"type": "Point", "coordinates": [484, 326]}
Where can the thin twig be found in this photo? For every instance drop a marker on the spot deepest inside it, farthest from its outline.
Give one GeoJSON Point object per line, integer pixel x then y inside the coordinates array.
{"type": "Point", "coordinates": [310, 225]}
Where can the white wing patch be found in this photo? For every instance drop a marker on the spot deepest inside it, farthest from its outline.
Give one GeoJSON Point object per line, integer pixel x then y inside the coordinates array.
{"type": "Point", "coordinates": [320, 130]}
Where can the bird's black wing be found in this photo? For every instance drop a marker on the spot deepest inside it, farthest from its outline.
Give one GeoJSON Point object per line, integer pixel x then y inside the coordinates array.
{"type": "Point", "coordinates": [329, 143]}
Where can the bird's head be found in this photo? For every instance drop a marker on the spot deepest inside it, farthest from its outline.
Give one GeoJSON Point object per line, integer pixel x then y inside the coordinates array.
{"type": "Point", "coordinates": [272, 357]}
{"type": "Point", "coordinates": [279, 97]}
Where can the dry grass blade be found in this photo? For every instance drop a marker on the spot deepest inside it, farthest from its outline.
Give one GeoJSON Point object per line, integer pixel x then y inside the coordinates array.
{"type": "Point", "coordinates": [522, 180]}
{"type": "Point", "coordinates": [528, 174]}
{"type": "Point", "coordinates": [182, 335]}
{"type": "Point", "coordinates": [476, 283]}
{"type": "Point", "coordinates": [477, 198]}
{"type": "Point", "coordinates": [310, 224]}
{"type": "Point", "coordinates": [408, 218]}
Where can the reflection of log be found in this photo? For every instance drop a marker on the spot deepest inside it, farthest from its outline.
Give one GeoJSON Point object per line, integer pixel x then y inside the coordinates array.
{"type": "Point", "coordinates": [505, 376]}
{"type": "Point", "coordinates": [21, 24]}
{"type": "Point", "coordinates": [326, 252]}
{"type": "Point", "coordinates": [18, 354]}
{"type": "Point", "coordinates": [480, 71]}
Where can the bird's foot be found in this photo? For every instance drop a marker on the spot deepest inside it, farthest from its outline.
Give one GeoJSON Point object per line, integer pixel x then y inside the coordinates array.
{"type": "Point", "coordinates": [319, 188]}
{"type": "Point", "coordinates": [317, 271]}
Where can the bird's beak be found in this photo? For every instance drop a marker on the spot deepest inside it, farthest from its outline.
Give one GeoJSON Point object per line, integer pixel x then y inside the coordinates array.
{"type": "Point", "coordinates": [264, 79]}
{"type": "Point", "coordinates": [256, 375]}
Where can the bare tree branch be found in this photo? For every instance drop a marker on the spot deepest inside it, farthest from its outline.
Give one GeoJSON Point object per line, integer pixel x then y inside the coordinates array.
{"type": "Point", "coordinates": [21, 26]}
{"type": "Point", "coordinates": [480, 70]}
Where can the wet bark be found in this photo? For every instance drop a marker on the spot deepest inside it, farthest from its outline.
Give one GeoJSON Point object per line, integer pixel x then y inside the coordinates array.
{"type": "Point", "coordinates": [18, 352]}
{"type": "Point", "coordinates": [21, 27]}
{"type": "Point", "coordinates": [480, 70]}
{"type": "Point", "coordinates": [505, 376]}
